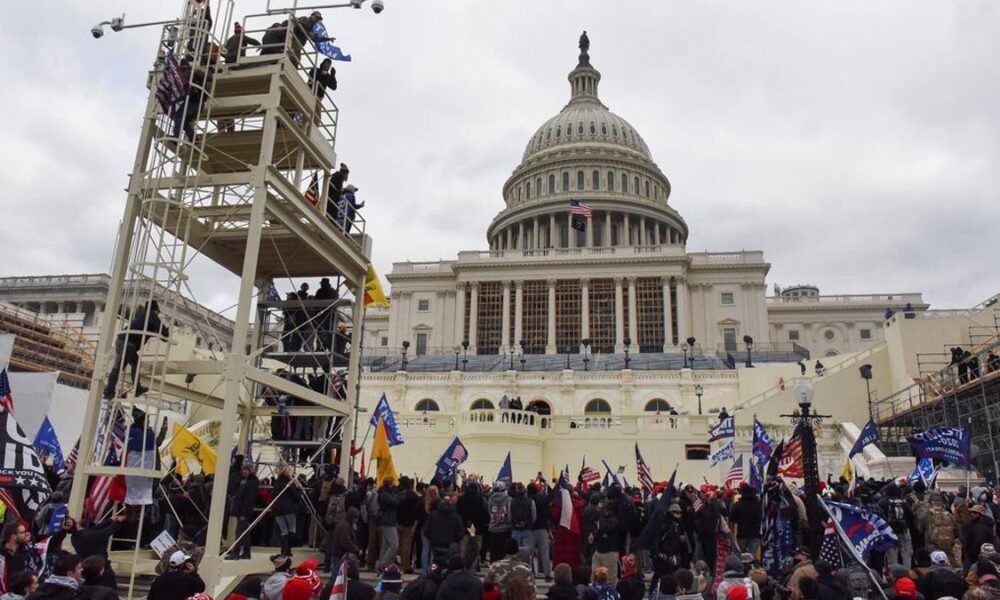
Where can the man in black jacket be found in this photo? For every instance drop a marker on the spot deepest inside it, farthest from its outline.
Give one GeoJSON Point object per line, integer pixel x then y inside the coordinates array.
{"type": "Point", "coordinates": [472, 508]}
{"type": "Point", "coordinates": [605, 539]}
{"type": "Point", "coordinates": [241, 507]}
{"type": "Point", "coordinates": [406, 520]}
{"type": "Point", "coordinates": [746, 516]}
{"type": "Point", "coordinates": [64, 583]}
{"type": "Point", "coordinates": [389, 499]}
{"type": "Point", "coordinates": [128, 345]}
{"type": "Point", "coordinates": [93, 541]}
{"type": "Point", "coordinates": [460, 583]}
{"type": "Point", "coordinates": [180, 582]}
{"type": "Point", "coordinates": [93, 587]}
{"type": "Point", "coordinates": [336, 188]}
{"type": "Point", "coordinates": [356, 589]}
{"type": "Point", "coordinates": [540, 528]}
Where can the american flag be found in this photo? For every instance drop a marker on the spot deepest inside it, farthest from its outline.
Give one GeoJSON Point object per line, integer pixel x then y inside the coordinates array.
{"type": "Point", "coordinates": [339, 589]}
{"type": "Point", "coordinates": [792, 464]}
{"type": "Point", "coordinates": [173, 85]}
{"type": "Point", "coordinates": [100, 496]}
{"type": "Point", "coordinates": [312, 194]}
{"type": "Point", "coordinates": [645, 477]}
{"type": "Point", "coordinates": [830, 549]}
{"type": "Point", "coordinates": [336, 386]}
{"type": "Point", "coordinates": [580, 208]}
{"type": "Point", "coordinates": [588, 475]}
{"type": "Point", "coordinates": [70, 463]}
{"type": "Point", "coordinates": [735, 474]}
{"type": "Point", "coordinates": [6, 399]}
{"type": "Point", "coordinates": [459, 454]}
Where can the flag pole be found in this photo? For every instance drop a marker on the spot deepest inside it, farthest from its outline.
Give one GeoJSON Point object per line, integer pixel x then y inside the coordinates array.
{"type": "Point", "coordinates": [968, 469]}
{"type": "Point", "coordinates": [854, 551]}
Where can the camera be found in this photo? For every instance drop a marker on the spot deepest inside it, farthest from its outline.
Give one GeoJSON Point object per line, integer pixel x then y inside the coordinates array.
{"type": "Point", "coordinates": [378, 6]}
{"type": "Point", "coordinates": [117, 23]}
{"type": "Point", "coordinates": [97, 31]}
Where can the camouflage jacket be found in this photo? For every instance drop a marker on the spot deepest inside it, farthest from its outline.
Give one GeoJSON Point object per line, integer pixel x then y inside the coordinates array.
{"type": "Point", "coordinates": [509, 566]}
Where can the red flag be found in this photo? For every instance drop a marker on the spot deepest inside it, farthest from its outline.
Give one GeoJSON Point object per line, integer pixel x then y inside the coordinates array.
{"type": "Point", "coordinates": [792, 464]}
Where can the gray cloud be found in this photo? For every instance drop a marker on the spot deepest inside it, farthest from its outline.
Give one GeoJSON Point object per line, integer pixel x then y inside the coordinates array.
{"type": "Point", "coordinates": [855, 143]}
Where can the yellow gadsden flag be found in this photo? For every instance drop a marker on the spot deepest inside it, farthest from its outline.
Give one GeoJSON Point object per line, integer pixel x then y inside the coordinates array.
{"type": "Point", "coordinates": [374, 294]}
{"type": "Point", "coordinates": [381, 453]}
{"type": "Point", "coordinates": [187, 446]}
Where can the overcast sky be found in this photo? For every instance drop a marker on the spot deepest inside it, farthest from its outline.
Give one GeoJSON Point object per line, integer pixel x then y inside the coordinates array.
{"type": "Point", "coordinates": [856, 143]}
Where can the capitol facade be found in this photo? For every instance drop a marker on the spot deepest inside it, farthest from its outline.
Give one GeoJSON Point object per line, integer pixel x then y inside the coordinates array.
{"type": "Point", "coordinates": [601, 331]}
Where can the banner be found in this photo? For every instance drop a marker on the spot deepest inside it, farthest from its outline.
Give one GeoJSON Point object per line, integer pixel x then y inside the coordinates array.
{"type": "Point", "coordinates": [374, 294]}
{"type": "Point", "coordinates": [47, 445]}
{"type": "Point", "coordinates": [506, 474]}
{"type": "Point", "coordinates": [869, 435]}
{"type": "Point", "coordinates": [384, 413]}
{"type": "Point", "coordinates": [925, 472]}
{"type": "Point", "coordinates": [864, 530]}
{"type": "Point", "coordinates": [187, 446]}
{"type": "Point", "coordinates": [725, 429]}
{"type": "Point", "coordinates": [726, 452]}
{"type": "Point", "coordinates": [454, 455]}
{"type": "Point", "coordinates": [762, 446]}
{"type": "Point", "coordinates": [952, 444]}
{"type": "Point", "coordinates": [380, 452]}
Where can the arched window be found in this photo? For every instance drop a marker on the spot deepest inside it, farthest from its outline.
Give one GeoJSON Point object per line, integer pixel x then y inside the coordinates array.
{"type": "Point", "coordinates": [426, 405]}
{"type": "Point", "coordinates": [636, 186]}
{"type": "Point", "coordinates": [624, 183]}
{"type": "Point", "coordinates": [558, 131]}
{"type": "Point", "coordinates": [527, 190]}
{"type": "Point", "coordinates": [593, 129]}
{"type": "Point", "coordinates": [565, 186]}
{"type": "Point", "coordinates": [552, 184]}
{"type": "Point", "coordinates": [831, 353]}
{"type": "Point", "coordinates": [604, 129]}
{"type": "Point", "coordinates": [548, 135]}
{"type": "Point", "coordinates": [518, 193]}
{"type": "Point", "coordinates": [614, 130]}
{"type": "Point", "coordinates": [597, 407]}
{"type": "Point", "coordinates": [596, 180]}
{"type": "Point", "coordinates": [538, 185]}
{"type": "Point", "coordinates": [579, 180]}
{"type": "Point", "coordinates": [657, 405]}
{"type": "Point", "coordinates": [579, 129]}
{"type": "Point", "coordinates": [611, 181]}
{"type": "Point", "coordinates": [540, 406]}
{"type": "Point", "coordinates": [647, 188]}
{"type": "Point", "coordinates": [481, 404]}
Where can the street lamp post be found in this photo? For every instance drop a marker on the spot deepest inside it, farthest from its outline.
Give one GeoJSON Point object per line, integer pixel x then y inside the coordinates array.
{"type": "Point", "coordinates": [586, 354]}
{"type": "Point", "coordinates": [465, 354]}
{"type": "Point", "coordinates": [628, 344]}
{"type": "Point", "coordinates": [524, 346]}
{"type": "Point", "coordinates": [749, 342]}
{"type": "Point", "coordinates": [511, 352]}
{"type": "Point", "coordinates": [699, 391]}
{"type": "Point", "coordinates": [684, 349]}
{"type": "Point", "coordinates": [805, 420]}
{"type": "Point", "coordinates": [406, 346]}
{"type": "Point", "coordinates": [566, 350]}
{"type": "Point", "coordinates": [866, 374]}
{"type": "Point", "coordinates": [458, 350]}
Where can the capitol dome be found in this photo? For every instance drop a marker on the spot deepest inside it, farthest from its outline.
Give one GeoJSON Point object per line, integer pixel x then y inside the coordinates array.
{"type": "Point", "coordinates": [589, 155]}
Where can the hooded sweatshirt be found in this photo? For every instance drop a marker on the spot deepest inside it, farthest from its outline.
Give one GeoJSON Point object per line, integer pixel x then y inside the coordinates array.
{"type": "Point", "coordinates": [343, 534]}
{"type": "Point", "coordinates": [499, 512]}
{"type": "Point", "coordinates": [443, 526]}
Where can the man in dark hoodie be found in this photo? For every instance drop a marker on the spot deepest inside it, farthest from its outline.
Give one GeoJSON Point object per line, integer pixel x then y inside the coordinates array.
{"type": "Point", "coordinates": [746, 516]}
{"type": "Point", "coordinates": [64, 583]}
{"type": "Point", "coordinates": [356, 589]}
{"type": "Point", "coordinates": [93, 587]}
{"type": "Point", "coordinates": [343, 539]}
{"type": "Point", "coordinates": [472, 508]}
{"type": "Point", "coordinates": [460, 583]}
{"type": "Point", "coordinates": [829, 587]}
{"type": "Point", "coordinates": [540, 528]}
{"type": "Point", "coordinates": [389, 499]}
{"type": "Point", "coordinates": [443, 527]}
{"type": "Point", "coordinates": [406, 518]}
{"type": "Point", "coordinates": [563, 588]}
{"type": "Point", "coordinates": [500, 523]}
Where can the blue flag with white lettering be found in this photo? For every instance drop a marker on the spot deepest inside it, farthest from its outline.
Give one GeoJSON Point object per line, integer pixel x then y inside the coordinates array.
{"type": "Point", "coordinates": [952, 444]}
{"type": "Point", "coordinates": [506, 475]}
{"type": "Point", "coordinates": [925, 472]}
{"type": "Point", "coordinates": [869, 435]}
{"type": "Point", "coordinates": [762, 446]}
{"type": "Point", "coordinates": [47, 444]}
{"type": "Point", "coordinates": [454, 455]}
{"type": "Point", "coordinates": [865, 530]}
{"type": "Point", "coordinates": [382, 411]}
{"type": "Point", "coordinates": [325, 46]}
{"type": "Point", "coordinates": [725, 429]}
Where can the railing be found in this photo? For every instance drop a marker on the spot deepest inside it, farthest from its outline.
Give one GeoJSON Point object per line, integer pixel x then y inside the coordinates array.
{"type": "Point", "coordinates": [878, 299]}
{"type": "Point", "coordinates": [715, 258]}
{"type": "Point", "coordinates": [55, 280]}
{"type": "Point", "coordinates": [549, 253]}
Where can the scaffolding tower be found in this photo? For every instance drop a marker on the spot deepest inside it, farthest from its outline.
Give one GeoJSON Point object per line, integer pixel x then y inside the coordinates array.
{"type": "Point", "coordinates": [234, 162]}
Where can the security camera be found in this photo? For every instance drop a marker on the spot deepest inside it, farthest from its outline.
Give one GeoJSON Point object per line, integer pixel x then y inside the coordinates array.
{"type": "Point", "coordinates": [378, 6]}
{"type": "Point", "coordinates": [117, 23]}
{"type": "Point", "coordinates": [97, 31]}
{"type": "Point", "coordinates": [357, 3]}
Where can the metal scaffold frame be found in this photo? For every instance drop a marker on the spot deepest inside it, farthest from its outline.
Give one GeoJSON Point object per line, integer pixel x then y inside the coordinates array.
{"type": "Point", "coordinates": [218, 174]}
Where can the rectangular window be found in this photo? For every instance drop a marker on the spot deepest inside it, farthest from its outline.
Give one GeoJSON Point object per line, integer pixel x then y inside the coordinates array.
{"type": "Point", "coordinates": [423, 305]}
{"type": "Point", "coordinates": [490, 317]}
{"type": "Point", "coordinates": [793, 335]}
{"type": "Point", "coordinates": [727, 298]}
{"type": "Point", "coordinates": [568, 315]}
{"type": "Point", "coordinates": [421, 344]}
{"type": "Point", "coordinates": [649, 309]}
{"type": "Point", "coordinates": [384, 341]}
{"type": "Point", "coordinates": [602, 315]}
{"type": "Point", "coordinates": [866, 334]}
{"type": "Point", "coordinates": [696, 451]}
{"type": "Point", "coordinates": [729, 337]}
{"type": "Point", "coordinates": [536, 316]}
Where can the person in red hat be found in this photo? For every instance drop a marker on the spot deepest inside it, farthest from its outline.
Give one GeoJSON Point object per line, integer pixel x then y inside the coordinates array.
{"type": "Point", "coordinates": [237, 44]}
{"type": "Point", "coordinates": [305, 583]}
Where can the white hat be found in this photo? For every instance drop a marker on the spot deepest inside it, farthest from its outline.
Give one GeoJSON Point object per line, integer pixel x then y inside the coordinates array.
{"type": "Point", "coordinates": [939, 558]}
{"type": "Point", "coordinates": [178, 558]}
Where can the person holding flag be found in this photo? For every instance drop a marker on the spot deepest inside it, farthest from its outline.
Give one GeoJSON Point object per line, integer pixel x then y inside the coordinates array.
{"type": "Point", "coordinates": [567, 512]}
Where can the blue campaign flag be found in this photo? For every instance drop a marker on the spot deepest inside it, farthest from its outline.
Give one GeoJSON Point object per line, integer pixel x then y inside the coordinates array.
{"type": "Point", "coordinates": [762, 446]}
{"type": "Point", "coordinates": [925, 472]}
{"type": "Point", "coordinates": [382, 411]}
{"type": "Point", "coordinates": [454, 455]}
{"type": "Point", "coordinates": [57, 517]}
{"type": "Point", "coordinates": [47, 444]}
{"type": "Point", "coordinates": [506, 474]}
{"type": "Point", "coordinates": [952, 444]}
{"type": "Point", "coordinates": [869, 435]}
{"type": "Point", "coordinates": [864, 530]}
{"type": "Point", "coordinates": [756, 480]}
{"type": "Point", "coordinates": [725, 429]}
{"type": "Point", "coordinates": [325, 46]}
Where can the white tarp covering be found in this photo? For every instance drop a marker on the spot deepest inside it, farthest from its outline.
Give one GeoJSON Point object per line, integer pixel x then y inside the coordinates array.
{"type": "Point", "coordinates": [66, 414]}
{"type": "Point", "coordinates": [32, 393]}
{"type": "Point", "coordinates": [6, 346]}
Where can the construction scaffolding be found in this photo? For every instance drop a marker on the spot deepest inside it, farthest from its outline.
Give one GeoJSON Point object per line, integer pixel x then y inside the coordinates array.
{"type": "Point", "coordinates": [233, 167]}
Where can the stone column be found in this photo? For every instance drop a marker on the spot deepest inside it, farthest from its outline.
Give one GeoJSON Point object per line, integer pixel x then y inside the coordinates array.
{"type": "Point", "coordinates": [505, 319]}
{"type": "Point", "coordinates": [510, 238]}
{"type": "Point", "coordinates": [683, 328]}
{"type": "Point", "coordinates": [584, 310]}
{"type": "Point", "coordinates": [473, 316]}
{"type": "Point", "coordinates": [643, 238]}
{"type": "Point", "coordinates": [535, 238]}
{"type": "Point", "coordinates": [627, 230]}
{"type": "Point", "coordinates": [656, 234]}
{"type": "Point", "coordinates": [606, 240]}
{"type": "Point", "coordinates": [668, 326]}
{"type": "Point", "coordinates": [619, 317]}
{"type": "Point", "coordinates": [518, 310]}
{"type": "Point", "coordinates": [590, 232]}
{"type": "Point", "coordinates": [550, 343]}
{"type": "Point", "coordinates": [552, 231]}
{"type": "Point", "coordinates": [459, 313]}
{"type": "Point", "coordinates": [520, 236]}
{"type": "Point", "coordinates": [633, 317]}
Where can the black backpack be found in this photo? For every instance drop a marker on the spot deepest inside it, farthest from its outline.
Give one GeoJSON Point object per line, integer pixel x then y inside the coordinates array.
{"type": "Point", "coordinates": [520, 512]}
{"type": "Point", "coordinates": [896, 515]}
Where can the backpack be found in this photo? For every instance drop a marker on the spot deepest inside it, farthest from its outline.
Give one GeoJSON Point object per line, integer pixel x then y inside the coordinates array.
{"type": "Point", "coordinates": [941, 530]}
{"type": "Point", "coordinates": [499, 517]}
{"type": "Point", "coordinates": [335, 510]}
{"type": "Point", "coordinates": [896, 515]}
{"type": "Point", "coordinates": [520, 512]}
{"type": "Point", "coordinates": [371, 506]}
